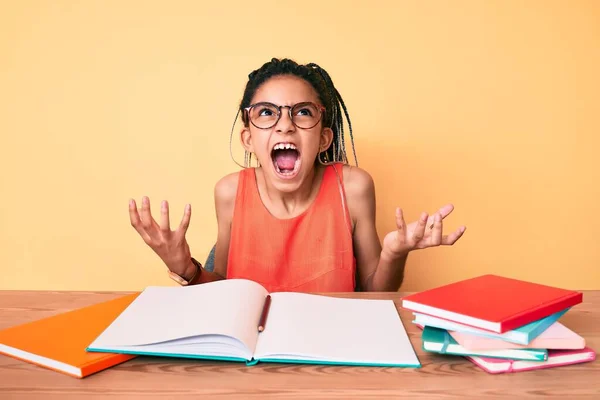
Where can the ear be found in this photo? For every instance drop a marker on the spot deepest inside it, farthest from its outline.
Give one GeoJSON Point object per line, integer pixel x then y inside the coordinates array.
{"type": "Point", "coordinates": [246, 139]}
{"type": "Point", "coordinates": [326, 139]}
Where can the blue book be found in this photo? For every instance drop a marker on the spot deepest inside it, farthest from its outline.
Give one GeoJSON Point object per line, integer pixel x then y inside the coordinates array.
{"type": "Point", "coordinates": [522, 335]}
{"type": "Point", "coordinates": [440, 341]}
{"type": "Point", "coordinates": [246, 323]}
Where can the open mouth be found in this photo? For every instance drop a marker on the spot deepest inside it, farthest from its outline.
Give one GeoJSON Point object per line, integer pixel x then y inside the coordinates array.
{"type": "Point", "coordinates": [286, 159]}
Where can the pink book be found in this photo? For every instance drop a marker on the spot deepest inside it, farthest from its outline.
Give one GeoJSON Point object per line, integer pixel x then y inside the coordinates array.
{"type": "Point", "coordinates": [556, 358]}
{"type": "Point", "coordinates": [557, 336]}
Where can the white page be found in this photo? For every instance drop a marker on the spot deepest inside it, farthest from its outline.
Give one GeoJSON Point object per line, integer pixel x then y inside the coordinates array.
{"type": "Point", "coordinates": [320, 328]}
{"type": "Point", "coordinates": [159, 314]}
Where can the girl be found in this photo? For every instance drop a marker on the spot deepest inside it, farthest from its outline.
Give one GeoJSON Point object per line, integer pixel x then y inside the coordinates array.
{"type": "Point", "coordinates": [303, 220]}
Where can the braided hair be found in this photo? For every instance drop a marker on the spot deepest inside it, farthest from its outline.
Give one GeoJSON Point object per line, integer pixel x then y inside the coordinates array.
{"type": "Point", "coordinates": [329, 96]}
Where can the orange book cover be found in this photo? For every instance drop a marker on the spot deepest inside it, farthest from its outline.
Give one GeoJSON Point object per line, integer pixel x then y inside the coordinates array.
{"type": "Point", "coordinates": [59, 342]}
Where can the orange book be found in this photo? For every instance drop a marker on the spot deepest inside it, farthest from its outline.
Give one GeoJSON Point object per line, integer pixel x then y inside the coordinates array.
{"type": "Point", "coordinates": [59, 342]}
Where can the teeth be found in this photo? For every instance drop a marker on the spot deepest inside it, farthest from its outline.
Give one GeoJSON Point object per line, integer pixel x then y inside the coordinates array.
{"type": "Point", "coordinates": [284, 146]}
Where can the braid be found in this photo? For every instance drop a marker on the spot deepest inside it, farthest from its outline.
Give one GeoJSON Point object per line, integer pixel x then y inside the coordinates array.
{"type": "Point", "coordinates": [337, 115]}
{"type": "Point", "coordinates": [329, 96]}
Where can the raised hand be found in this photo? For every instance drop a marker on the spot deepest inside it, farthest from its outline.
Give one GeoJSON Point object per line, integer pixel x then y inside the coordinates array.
{"type": "Point", "coordinates": [426, 232]}
{"type": "Point", "coordinates": [170, 246]}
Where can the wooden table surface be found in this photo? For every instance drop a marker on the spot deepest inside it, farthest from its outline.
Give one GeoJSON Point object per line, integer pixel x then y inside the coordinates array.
{"type": "Point", "coordinates": [158, 377]}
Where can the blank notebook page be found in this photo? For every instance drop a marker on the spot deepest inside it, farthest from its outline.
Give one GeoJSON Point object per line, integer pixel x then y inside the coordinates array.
{"type": "Point", "coordinates": [304, 327]}
{"type": "Point", "coordinates": [160, 314]}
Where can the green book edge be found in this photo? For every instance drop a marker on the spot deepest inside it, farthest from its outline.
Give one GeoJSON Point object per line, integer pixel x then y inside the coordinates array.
{"type": "Point", "coordinates": [252, 361]}
{"type": "Point", "coordinates": [175, 355]}
{"type": "Point", "coordinates": [438, 335]}
{"type": "Point", "coordinates": [351, 364]}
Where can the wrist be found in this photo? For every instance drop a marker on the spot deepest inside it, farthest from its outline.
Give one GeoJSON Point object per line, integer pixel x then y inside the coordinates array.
{"type": "Point", "coordinates": [190, 270]}
{"type": "Point", "coordinates": [191, 274]}
{"type": "Point", "coordinates": [393, 256]}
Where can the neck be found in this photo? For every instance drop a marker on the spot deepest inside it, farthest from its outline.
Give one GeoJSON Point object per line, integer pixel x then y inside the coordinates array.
{"type": "Point", "coordinates": [290, 204]}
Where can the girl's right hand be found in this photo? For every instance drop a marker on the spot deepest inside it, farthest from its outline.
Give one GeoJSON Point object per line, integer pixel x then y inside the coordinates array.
{"type": "Point", "coordinates": [170, 246]}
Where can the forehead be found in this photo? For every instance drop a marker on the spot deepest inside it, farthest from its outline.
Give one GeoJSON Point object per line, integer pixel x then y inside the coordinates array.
{"type": "Point", "coordinates": [285, 90]}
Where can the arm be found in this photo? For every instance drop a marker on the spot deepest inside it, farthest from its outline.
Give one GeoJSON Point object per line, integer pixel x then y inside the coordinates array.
{"type": "Point", "coordinates": [377, 271]}
{"type": "Point", "coordinates": [225, 192]}
{"type": "Point", "coordinates": [381, 268]}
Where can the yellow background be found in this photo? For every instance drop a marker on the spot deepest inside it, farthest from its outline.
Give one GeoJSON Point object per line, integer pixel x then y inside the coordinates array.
{"type": "Point", "coordinates": [491, 105]}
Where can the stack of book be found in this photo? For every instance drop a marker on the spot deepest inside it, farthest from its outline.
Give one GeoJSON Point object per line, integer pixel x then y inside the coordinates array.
{"type": "Point", "coordinates": [500, 324]}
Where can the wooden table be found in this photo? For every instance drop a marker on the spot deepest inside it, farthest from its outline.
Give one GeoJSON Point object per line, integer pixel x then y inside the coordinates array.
{"type": "Point", "coordinates": [156, 377]}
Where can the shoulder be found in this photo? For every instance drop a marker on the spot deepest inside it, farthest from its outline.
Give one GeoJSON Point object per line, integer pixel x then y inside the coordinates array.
{"type": "Point", "coordinates": [225, 194]}
{"type": "Point", "coordinates": [360, 193]}
{"type": "Point", "coordinates": [226, 187]}
{"type": "Point", "coordinates": [358, 183]}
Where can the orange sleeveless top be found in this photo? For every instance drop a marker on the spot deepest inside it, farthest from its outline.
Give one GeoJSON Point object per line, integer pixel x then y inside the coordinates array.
{"type": "Point", "coordinates": [308, 253]}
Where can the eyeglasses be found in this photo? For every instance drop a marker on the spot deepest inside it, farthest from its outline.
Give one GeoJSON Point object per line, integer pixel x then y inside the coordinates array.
{"type": "Point", "coordinates": [304, 115]}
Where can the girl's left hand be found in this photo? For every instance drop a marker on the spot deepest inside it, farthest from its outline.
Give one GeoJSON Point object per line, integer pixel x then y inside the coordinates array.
{"type": "Point", "coordinates": [421, 234]}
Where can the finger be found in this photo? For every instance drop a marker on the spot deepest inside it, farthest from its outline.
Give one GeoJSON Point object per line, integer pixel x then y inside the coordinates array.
{"type": "Point", "coordinates": [165, 224]}
{"type": "Point", "coordinates": [148, 222]}
{"type": "Point", "coordinates": [431, 221]}
{"type": "Point", "coordinates": [419, 231]}
{"type": "Point", "coordinates": [436, 232]}
{"type": "Point", "coordinates": [446, 210]}
{"type": "Point", "coordinates": [185, 221]}
{"type": "Point", "coordinates": [134, 217]}
{"type": "Point", "coordinates": [454, 236]}
{"type": "Point", "coordinates": [400, 223]}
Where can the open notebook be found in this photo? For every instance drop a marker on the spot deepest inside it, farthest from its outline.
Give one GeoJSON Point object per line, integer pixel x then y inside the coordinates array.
{"type": "Point", "coordinates": [219, 320]}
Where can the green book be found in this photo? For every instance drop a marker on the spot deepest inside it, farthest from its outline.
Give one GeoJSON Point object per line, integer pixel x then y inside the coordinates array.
{"type": "Point", "coordinates": [438, 340]}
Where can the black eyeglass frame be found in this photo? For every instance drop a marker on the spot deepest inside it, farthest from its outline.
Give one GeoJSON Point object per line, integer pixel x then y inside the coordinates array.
{"type": "Point", "coordinates": [319, 108]}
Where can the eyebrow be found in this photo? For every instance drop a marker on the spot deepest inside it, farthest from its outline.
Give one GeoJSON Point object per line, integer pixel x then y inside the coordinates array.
{"type": "Point", "coordinates": [292, 104]}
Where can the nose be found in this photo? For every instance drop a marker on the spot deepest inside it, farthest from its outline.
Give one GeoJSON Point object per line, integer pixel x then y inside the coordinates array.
{"type": "Point", "coordinates": [285, 124]}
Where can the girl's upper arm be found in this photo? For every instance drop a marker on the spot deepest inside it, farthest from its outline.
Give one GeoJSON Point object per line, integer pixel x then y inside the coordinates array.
{"type": "Point", "coordinates": [360, 197]}
{"type": "Point", "coordinates": [225, 194]}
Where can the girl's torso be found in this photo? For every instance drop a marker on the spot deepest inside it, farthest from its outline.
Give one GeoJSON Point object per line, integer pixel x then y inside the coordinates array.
{"type": "Point", "coordinates": [311, 252]}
